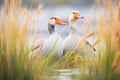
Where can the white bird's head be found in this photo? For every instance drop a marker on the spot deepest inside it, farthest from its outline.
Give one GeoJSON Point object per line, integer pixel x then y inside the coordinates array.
{"type": "Point", "coordinates": [75, 16]}
{"type": "Point", "coordinates": [56, 21]}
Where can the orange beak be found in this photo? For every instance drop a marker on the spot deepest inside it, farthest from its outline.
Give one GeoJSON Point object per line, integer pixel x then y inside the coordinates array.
{"type": "Point", "coordinates": [60, 22]}
{"type": "Point", "coordinates": [77, 16]}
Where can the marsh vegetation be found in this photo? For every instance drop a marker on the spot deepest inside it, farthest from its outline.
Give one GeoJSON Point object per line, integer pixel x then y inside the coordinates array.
{"type": "Point", "coordinates": [15, 63]}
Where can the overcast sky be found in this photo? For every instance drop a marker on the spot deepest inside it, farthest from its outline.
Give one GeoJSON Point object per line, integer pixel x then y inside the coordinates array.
{"type": "Point", "coordinates": [57, 2]}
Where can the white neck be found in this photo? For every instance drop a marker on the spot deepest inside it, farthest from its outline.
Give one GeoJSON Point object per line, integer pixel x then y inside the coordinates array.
{"type": "Point", "coordinates": [72, 22]}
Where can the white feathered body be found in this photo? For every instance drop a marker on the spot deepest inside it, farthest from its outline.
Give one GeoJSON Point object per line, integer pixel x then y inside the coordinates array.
{"type": "Point", "coordinates": [71, 41]}
{"type": "Point", "coordinates": [55, 43]}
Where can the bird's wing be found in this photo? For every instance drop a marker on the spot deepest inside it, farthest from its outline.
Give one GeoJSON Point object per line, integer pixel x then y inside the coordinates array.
{"type": "Point", "coordinates": [84, 42]}
{"type": "Point", "coordinates": [88, 44]}
{"type": "Point", "coordinates": [36, 50]}
{"type": "Point", "coordinates": [39, 45]}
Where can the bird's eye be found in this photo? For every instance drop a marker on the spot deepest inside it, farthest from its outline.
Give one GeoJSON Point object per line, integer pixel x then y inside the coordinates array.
{"type": "Point", "coordinates": [73, 12]}
{"type": "Point", "coordinates": [55, 18]}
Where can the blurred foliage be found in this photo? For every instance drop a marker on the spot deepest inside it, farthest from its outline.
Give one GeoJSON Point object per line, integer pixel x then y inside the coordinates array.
{"type": "Point", "coordinates": [15, 63]}
{"type": "Point", "coordinates": [14, 50]}
{"type": "Point", "coordinates": [107, 66]}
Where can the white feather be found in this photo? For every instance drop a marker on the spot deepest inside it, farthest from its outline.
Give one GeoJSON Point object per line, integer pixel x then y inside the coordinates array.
{"type": "Point", "coordinates": [71, 41]}
{"type": "Point", "coordinates": [54, 40]}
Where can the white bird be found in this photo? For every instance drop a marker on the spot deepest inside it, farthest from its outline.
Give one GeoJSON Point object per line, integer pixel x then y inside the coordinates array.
{"type": "Point", "coordinates": [73, 38]}
{"type": "Point", "coordinates": [55, 42]}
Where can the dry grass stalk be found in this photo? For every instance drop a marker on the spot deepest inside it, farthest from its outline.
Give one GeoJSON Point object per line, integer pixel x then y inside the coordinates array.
{"type": "Point", "coordinates": [119, 12]}
{"type": "Point", "coordinates": [40, 6]}
{"type": "Point", "coordinates": [111, 12]}
{"type": "Point", "coordinates": [84, 39]}
{"type": "Point", "coordinates": [88, 27]}
{"type": "Point", "coordinates": [90, 34]}
{"type": "Point", "coordinates": [116, 63]}
{"type": "Point", "coordinates": [36, 36]}
{"type": "Point", "coordinates": [96, 41]}
{"type": "Point", "coordinates": [105, 6]}
{"type": "Point", "coordinates": [87, 23]}
{"type": "Point", "coordinates": [118, 26]}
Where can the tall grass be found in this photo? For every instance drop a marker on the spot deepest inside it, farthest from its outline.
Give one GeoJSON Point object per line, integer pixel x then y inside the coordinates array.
{"type": "Point", "coordinates": [15, 63]}
{"type": "Point", "coordinates": [14, 50]}
{"type": "Point", "coordinates": [107, 63]}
